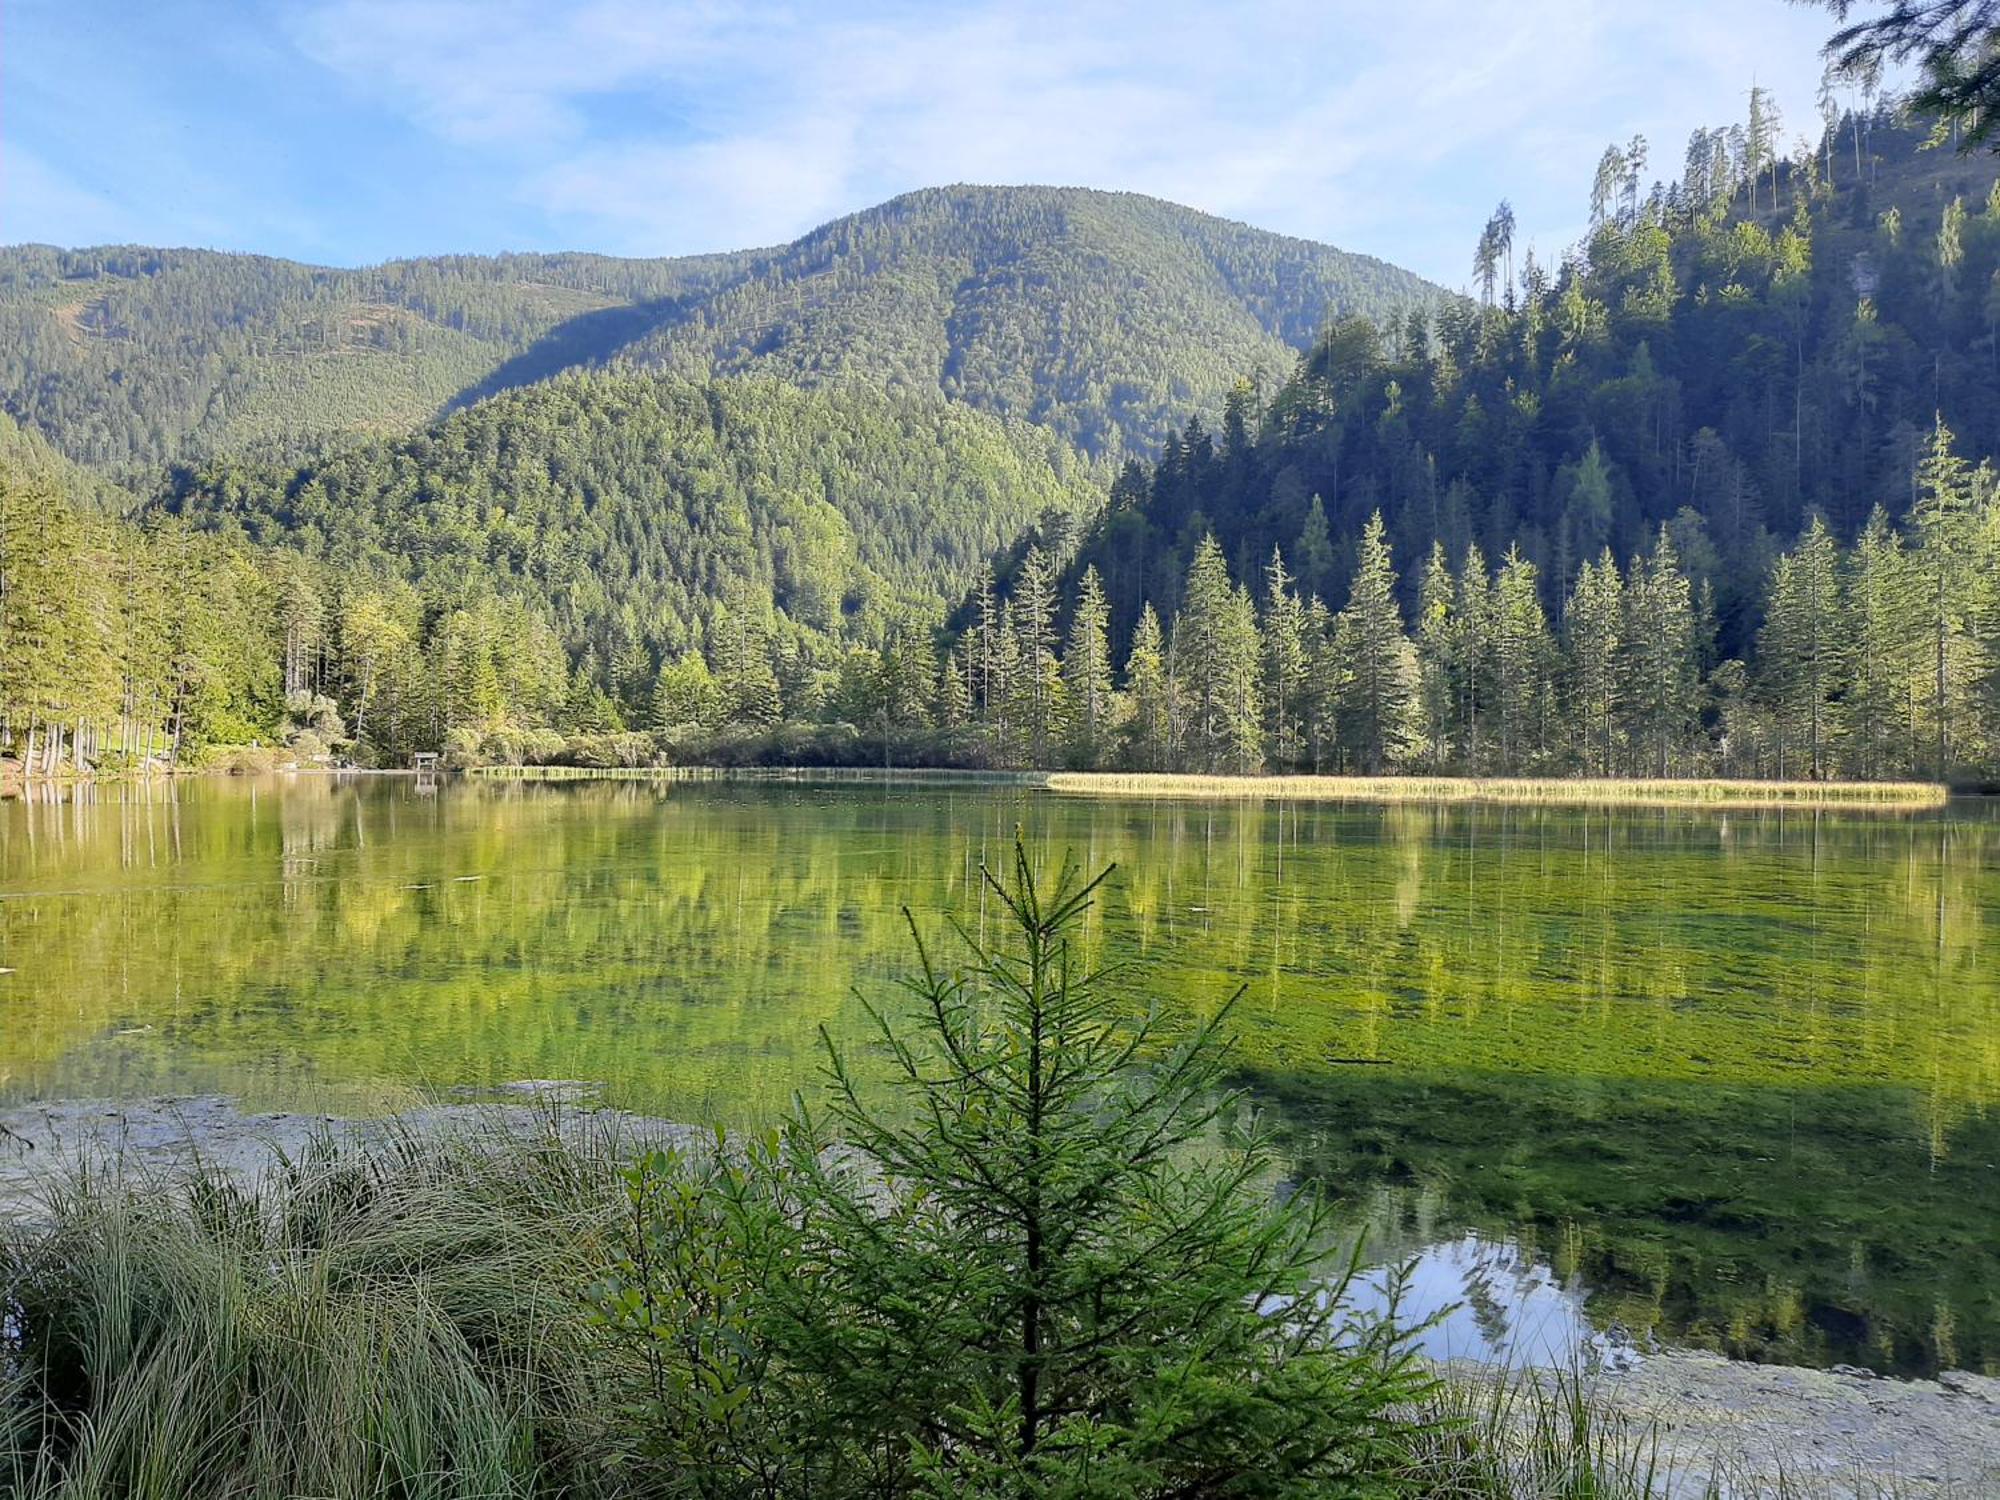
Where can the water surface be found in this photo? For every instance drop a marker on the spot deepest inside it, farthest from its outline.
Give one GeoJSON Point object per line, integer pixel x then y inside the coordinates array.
{"type": "Point", "coordinates": [1726, 1076]}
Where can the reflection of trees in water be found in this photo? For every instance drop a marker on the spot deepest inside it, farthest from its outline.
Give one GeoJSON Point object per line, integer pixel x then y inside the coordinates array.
{"type": "Point", "coordinates": [1805, 1224]}
{"type": "Point", "coordinates": [1617, 1028]}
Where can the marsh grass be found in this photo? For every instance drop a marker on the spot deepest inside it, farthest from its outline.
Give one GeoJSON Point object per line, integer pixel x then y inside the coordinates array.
{"type": "Point", "coordinates": [400, 1320]}
{"type": "Point", "coordinates": [1887, 796]}
{"type": "Point", "coordinates": [406, 1319]}
{"type": "Point", "coordinates": [1898, 795]}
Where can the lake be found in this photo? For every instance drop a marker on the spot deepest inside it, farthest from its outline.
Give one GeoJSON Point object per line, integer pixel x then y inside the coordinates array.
{"type": "Point", "coordinates": [1728, 1076]}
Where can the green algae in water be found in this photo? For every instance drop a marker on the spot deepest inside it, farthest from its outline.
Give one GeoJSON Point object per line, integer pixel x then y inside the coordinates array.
{"type": "Point", "coordinates": [1735, 1071]}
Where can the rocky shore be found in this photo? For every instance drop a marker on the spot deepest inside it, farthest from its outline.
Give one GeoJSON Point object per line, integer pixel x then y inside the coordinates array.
{"type": "Point", "coordinates": [1721, 1426]}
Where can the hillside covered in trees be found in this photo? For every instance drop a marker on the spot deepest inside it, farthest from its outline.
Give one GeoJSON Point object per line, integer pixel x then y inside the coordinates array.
{"type": "Point", "coordinates": [525, 565]}
{"type": "Point", "coordinates": [1714, 494]}
{"type": "Point", "coordinates": [1106, 316]}
{"type": "Point", "coordinates": [1745, 431]}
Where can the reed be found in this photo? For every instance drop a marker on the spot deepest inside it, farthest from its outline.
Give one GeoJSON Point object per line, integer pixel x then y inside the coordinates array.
{"type": "Point", "coordinates": [1901, 796]}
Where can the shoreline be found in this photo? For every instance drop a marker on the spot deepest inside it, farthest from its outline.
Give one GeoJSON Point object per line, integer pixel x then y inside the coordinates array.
{"type": "Point", "coordinates": [1698, 792]}
{"type": "Point", "coordinates": [1711, 1421]}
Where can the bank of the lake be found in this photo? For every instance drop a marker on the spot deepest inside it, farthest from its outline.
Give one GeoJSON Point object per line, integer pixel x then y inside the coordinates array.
{"type": "Point", "coordinates": [1700, 1423]}
{"type": "Point", "coordinates": [1900, 796]}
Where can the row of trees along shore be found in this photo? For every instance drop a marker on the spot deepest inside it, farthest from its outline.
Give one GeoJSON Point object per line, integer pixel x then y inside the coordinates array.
{"type": "Point", "coordinates": [1879, 659]}
{"type": "Point", "coordinates": [1876, 659]}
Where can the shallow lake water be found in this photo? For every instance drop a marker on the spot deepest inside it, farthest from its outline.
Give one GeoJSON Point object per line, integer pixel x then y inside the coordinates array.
{"type": "Point", "coordinates": [1730, 1077]}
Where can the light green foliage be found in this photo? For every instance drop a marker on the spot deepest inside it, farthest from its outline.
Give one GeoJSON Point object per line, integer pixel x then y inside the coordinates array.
{"type": "Point", "coordinates": [1092, 706]}
{"type": "Point", "coordinates": [1215, 656]}
{"type": "Point", "coordinates": [1805, 655]}
{"type": "Point", "coordinates": [1149, 687]}
{"type": "Point", "coordinates": [1052, 1268]}
{"type": "Point", "coordinates": [1286, 665]}
{"type": "Point", "coordinates": [950, 291]}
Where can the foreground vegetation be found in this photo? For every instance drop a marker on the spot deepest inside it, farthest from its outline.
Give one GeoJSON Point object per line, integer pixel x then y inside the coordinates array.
{"type": "Point", "coordinates": [1054, 1267]}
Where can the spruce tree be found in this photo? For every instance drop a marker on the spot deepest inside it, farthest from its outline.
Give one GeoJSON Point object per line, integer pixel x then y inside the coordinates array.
{"type": "Point", "coordinates": [1522, 656]}
{"type": "Point", "coordinates": [1436, 702]}
{"type": "Point", "coordinates": [1215, 654]}
{"type": "Point", "coordinates": [1381, 668]}
{"type": "Point", "coordinates": [1285, 665]}
{"type": "Point", "coordinates": [1803, 652]}
{"type": "Point", "coordinates": [1087, 674]}
{"type": "Point", "coordinates": [1880, 609]}
{"type": "Point", "coordinates": [1945, 526]}
{"type": "Point", "coordinates": [1148, 688]}
{"type": "Point", "coordinates": [1594, 623]}
{"type": "Point", "coordinates": [1662, 663]}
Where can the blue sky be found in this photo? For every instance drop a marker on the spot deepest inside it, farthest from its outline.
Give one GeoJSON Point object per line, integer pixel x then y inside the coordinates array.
{"type": "Point", "coordinates": [350, 131]}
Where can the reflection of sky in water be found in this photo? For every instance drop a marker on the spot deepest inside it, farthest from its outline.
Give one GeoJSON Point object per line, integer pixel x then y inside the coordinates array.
{"type": "Point", "coordinates": [1493, 1304]}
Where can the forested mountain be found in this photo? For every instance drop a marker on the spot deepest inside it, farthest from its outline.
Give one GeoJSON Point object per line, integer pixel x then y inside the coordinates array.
{"type": "Point", "coordinates": [527, 566]}
{"type": "Point", "coordinates": [1716, 493]}
{"type": "Point", "coordinates": [127, 357]}
{"type": "Point", "coordinates": [1108, 317]}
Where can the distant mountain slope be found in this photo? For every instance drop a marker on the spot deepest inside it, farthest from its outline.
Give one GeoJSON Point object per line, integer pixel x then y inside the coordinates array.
{"type": "Point", "coordinates": [128, 356]}
{"type": "Point", "coordinates": [630, 506]}
{"type": "Point", "coordinates": [1106, 316]}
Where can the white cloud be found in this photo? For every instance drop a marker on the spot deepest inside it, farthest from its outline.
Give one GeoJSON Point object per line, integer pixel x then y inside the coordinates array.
{"type": "Point", "coordinates": [687, 125]}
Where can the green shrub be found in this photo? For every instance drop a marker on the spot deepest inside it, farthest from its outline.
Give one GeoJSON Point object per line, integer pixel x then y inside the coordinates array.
{"type": "Point", "coordinates": [1053, 1268]}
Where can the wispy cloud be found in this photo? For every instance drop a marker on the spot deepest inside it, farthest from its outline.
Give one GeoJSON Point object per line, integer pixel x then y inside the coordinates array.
{"type": "Point", "coordinates": [665, 126]}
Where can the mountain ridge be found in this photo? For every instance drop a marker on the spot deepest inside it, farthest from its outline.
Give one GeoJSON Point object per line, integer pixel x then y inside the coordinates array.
{"type": "Point", "coordinates": [128, 357]}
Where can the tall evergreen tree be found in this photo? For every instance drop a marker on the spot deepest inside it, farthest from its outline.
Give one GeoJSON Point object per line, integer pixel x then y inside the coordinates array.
{"type": "Point", "coordinates": [1148, 688]}
{"type": "Point", "coordinates": [1285, 665]}
{"type": "Point", "coordinates": [1381, 669]}
{"type": "Point", "coordinates": [1803, 652]}
{"type": "Point", "coordinates": [1087, 674]}
{"type": "Point", "coordinates": [1662, 661]}
{"type": "Point", "coordinates": [1594, 622]}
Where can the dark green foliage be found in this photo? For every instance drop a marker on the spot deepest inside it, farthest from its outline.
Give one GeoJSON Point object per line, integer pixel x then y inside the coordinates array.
{"type": "Point", "coordinates": [128, 356]}
{"type": "Point", "coordinates": [1753, 367]}
{"type": "Point", "coordinates": [1038, 1274]}
{"type": "Point", "coordinates": [1106, 317]}
{"type": "Point", "coordinates": [1955, 44]}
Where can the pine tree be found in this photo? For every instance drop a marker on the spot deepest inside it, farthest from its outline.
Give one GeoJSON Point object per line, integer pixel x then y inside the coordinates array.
{"type": "Point", "coordinates": [1315, 553]}
{"type": "Point", "coordinates": [1594, 622]}
{"type": "Point", "coordinates": [1662, 662]}
{"type": "Point", "coordinates": [1522, 653]}
{"type": "Point", "coordinates": [1879, 611]}
{"type": "Point", "coordinates": [1147, 687]}
{"type": "Point", "coordinates": [954, 699]}
{"type": "Point", "coordinates": [1803, 651]}
{"type": "Point", "coordinates": [1436, 701]}
{"type": "Point", "coordinates": [1326, 684]}
{"type": "Point", "coordinates": [1945, 526]}
{"type": "Point", "coordinates": [1087, 674]}
{"type": "Point", "coordinates": [1034, 616]}
{"type": "Point", "coordinates": [1215, 664]}
{"type": "Point", "coordinates": [1471, 642]}
{"type": "Point", "coordinates": [1381, 668]}
{"type": "Point", "coordinates": [1285, 664]}
{"type": "Point", "coordinates": [1004, 690]}
{"type": "Point", "coordinates": [743, 668]}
